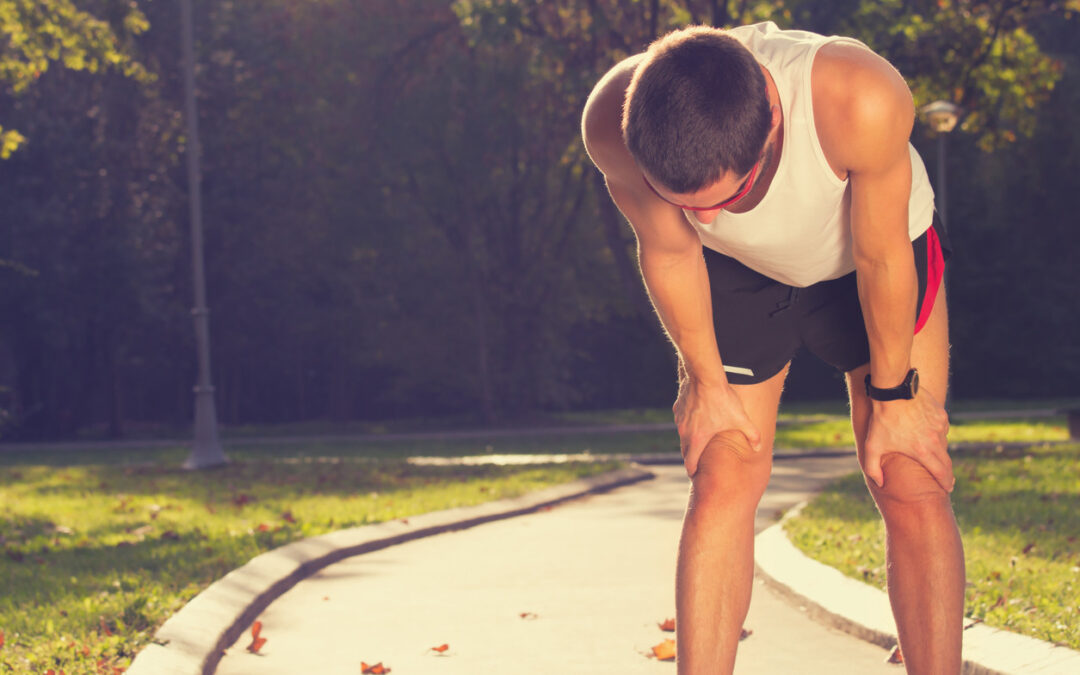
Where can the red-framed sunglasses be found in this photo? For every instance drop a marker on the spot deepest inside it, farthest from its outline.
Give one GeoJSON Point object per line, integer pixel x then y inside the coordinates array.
{"type": "Point", "coordinates": [747, 185]}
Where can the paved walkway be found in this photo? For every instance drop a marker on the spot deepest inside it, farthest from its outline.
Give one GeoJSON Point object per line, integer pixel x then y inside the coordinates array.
{"type": "Point", "coordinates": [596, 574]}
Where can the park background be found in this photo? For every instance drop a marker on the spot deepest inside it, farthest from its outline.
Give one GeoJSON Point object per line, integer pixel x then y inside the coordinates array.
{"type": "Point", "coordinates": [403, 233]}
{"type": "Point", "coordinates": [401, 221]}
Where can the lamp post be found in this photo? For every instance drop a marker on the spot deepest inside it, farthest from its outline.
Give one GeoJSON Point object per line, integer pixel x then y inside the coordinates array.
{"type": "Point", "coordinates": [206, 451]}
{"type": "Point", "coordinates": [942, 117]}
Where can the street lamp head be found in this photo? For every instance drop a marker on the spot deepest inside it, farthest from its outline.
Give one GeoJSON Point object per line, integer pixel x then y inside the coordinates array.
{"type": "Point", "coordinates": [941, 115]}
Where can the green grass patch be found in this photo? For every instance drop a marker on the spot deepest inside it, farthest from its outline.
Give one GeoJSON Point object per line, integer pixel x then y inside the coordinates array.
{"type": "Point", "coordinates": [1019, 516]}
{"type": "Point", "coordinates": [837, 432]}
{"type": "Point", "coordinates": [99, 551]}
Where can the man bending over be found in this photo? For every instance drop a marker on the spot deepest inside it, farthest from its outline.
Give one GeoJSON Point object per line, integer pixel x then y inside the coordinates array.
{"type": "Point", "coordinates": [778, 203]}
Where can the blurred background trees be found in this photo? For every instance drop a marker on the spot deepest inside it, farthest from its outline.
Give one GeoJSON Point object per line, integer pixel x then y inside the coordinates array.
{"type": "Point", "coordinates": [401, 220]}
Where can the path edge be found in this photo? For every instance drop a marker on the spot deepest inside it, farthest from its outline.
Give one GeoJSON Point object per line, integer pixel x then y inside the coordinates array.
{"type": "Point", "coordinates": [192, 641]}
{"type": "Point", "coordinates": [830, 597]}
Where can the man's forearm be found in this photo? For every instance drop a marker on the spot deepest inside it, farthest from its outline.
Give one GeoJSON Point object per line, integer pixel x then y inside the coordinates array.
{"type": "Point", "coordinates": [888, 294]}
{"type": "Point", "coordinates": [678, 286]}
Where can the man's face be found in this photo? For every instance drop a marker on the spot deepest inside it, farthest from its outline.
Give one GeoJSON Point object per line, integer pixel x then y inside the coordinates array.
{"type": "Point", "coordinates": [729, 190]}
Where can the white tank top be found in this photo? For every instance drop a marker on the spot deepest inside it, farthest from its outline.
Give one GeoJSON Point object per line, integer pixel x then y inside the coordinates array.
{"type": "Point", "coordinates": [800, 233]}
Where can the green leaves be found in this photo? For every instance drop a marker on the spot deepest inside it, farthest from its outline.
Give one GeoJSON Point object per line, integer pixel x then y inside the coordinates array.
{"type": "Point", "coordinates": [38, 33]}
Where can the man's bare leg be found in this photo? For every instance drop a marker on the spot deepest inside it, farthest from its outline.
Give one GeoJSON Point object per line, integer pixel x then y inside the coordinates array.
{"type": "Point", "coordinates": [715, 570]}
{"type": "Point", "coordinates": [923, 550]}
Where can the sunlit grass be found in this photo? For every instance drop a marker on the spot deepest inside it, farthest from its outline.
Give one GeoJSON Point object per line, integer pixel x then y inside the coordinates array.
{"type": "Point", "coordinates": [837, 432]}
{"type": "Point", "coordinates": [1019, 516]}
{"type": "Point", "coordinates": [97, 555]}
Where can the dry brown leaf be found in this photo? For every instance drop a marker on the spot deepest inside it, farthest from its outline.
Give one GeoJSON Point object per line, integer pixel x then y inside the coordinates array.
{"type": "Point", "coordinates": [668, 625]}
{"type": "Point", "coordinates": [895, 656]}
{"type": "Point", "coordinates": [745, 634]}
{"type": "Point", "coordinates": [528, 615]}
{"type": "Point", "coordinates": [441, 648]}
{"type": "Point", "coordinates": [665, 651]}
{"type": "Point", "coordinates": [376, 669]}
{"type": "Point", "coordinates": [256, 641]}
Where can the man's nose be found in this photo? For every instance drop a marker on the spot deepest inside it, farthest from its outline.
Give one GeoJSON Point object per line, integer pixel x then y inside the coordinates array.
{"type": "Point", "coordinates": [706, 217]}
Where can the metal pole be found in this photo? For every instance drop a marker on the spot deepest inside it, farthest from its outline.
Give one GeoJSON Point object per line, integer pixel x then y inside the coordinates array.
{"type": "Point", "coordinates": [206, 451]}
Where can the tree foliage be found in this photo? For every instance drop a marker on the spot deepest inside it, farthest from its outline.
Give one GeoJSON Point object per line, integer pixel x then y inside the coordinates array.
{"type": "Point", "coordinates": [400, 219]}
{"type": "Point", "coordinates": [35, 34]}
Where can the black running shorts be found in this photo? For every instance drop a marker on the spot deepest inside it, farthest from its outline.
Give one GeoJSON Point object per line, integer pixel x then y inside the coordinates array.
{"type": "Point", "coordinates": [761, 323]}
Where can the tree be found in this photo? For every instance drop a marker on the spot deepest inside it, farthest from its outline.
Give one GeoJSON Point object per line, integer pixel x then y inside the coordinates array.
{"type": "Point", "coordinates": [35, 34]}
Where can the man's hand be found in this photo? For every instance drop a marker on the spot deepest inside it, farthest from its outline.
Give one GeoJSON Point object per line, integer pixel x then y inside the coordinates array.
{"type": "Point", "coordinates": [702, 411]}
{"type": "Point", "coordinates": [916, 428]}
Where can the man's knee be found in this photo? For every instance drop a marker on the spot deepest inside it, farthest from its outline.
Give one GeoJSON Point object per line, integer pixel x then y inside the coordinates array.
{"type": "Point", "coordinates": [731, 471]}
{"type": "Point", "coordinates": [908, 486]}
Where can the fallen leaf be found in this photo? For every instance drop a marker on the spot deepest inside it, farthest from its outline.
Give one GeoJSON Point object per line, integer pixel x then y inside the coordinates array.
{"type": "Point", "coordinates": [405, 521]}
{"type": "Point", "coordinates": [441, 648]}
{"type": "Point", "coordinates": [668, 625]}
{"type": "Point", "coordinates": [256, 641]}
{"type": "Point", "coordinates": [528, 615]}
{"type": "Point", "coordinates": [287, 516]}
{"type": "Point", "coordinates": [377, 669]}
{"type": "Point", "coordinates": [1000, 602]}
{"type": "Point", "coordinates": [974, 622]}
{"type": "Point", "coordinates": [104, 626]}
{"type": "Point", "coordinates": [665, 651]}
{"type": "Point", "coordinates": [745, 634]}
{"type": "Point", "coordinates": [895, 656]}
{"type": "Point", "coordinates": [263, 527]}
{"type": "Point", "coordinates": [1027, 549]}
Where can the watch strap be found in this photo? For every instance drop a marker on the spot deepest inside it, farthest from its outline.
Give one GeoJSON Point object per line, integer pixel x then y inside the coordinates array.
{"type": "Point", "coordinates": [902, 391]}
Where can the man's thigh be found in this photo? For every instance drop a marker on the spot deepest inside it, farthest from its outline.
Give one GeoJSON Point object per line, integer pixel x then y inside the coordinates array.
{"type": "Point", "coordinates": [929, 354]}
{"type": "Point", "coordinates": [761, 402]}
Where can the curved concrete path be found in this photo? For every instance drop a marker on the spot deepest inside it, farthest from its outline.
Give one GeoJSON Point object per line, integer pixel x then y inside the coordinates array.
{"type": "Point", "coordinates": [595, 575]}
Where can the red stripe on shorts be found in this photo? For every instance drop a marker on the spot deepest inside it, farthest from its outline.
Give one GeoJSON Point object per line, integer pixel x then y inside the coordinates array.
{"type": "Point", "coordinates": [935, 268]}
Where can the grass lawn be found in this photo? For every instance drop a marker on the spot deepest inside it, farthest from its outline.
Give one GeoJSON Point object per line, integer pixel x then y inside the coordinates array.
{"type": "Point", "coordinates": [99, 550]}
{"type": "Point", "coordinates": [836, 431]}
{"type": "Point", "coordinates": [1019, 516]}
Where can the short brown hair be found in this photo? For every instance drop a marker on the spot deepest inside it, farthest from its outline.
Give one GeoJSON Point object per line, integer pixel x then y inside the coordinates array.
{"type": "Point", "coordinates": [696, 108]}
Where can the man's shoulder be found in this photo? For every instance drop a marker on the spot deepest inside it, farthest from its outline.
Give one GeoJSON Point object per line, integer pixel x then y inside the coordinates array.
{"type": "Point", "coordinates": [601, 121]}
{"type": "Point", "coordinates": [860, 102]}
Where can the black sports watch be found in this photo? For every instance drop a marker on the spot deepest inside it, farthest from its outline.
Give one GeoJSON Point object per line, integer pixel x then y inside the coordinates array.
{"type": "Point", "coordinates": [904, 390]}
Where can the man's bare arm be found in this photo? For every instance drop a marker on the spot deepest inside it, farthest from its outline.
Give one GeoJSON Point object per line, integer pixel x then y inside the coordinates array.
{"type": "Point", "coordinates": [673, 269]}
{"type": "Point", "coordinates": [865, 114]}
